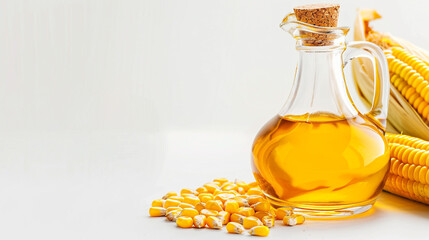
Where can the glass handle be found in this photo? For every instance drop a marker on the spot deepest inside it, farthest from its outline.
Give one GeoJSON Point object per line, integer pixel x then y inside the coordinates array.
{"type": "Point", "coordinates": [378, 111]}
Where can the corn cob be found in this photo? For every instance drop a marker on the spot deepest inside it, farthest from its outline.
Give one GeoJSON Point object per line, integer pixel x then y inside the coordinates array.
{"type": "Point", "coordinates": [409, 76]}
{"type": "Point", "coordinates": [409, 108]}
{"type": "Point", "coordinates": [408, 176]}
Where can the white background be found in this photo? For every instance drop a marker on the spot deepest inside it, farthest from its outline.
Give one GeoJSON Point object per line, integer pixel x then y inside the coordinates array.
{"type": "Point", "coordinates": [106, 105]}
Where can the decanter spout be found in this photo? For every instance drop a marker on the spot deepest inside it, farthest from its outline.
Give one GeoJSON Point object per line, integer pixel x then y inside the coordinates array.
{"type": "Point", "coordinates": [309, 35]}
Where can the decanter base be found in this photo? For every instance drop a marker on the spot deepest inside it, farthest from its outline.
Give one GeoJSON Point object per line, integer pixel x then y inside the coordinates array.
{"type": "Point", "coordinates": [325, 210]}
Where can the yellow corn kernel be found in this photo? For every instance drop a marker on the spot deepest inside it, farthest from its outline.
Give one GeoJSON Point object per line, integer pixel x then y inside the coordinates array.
{"type": "Point", "coordinates": [188, 191]}
{"type": "Point", "coordinates": [216, 183]}
{"type": "Point", "coordinates": [246, 211]}
{"type": "Point", "coordinates": [283, 211]}
{"type": "Point", "coordinates": [262, 206]}
{"type": "Point", "coordinates": [205, 199]}
{"type": "Point", "coordinates": [272, 211]}
{"type": "Point", "coordinates": [173, 215]}
{"type": "Point", "coordinates": [188, 195]}
{"type": "Point", "coordinates": [251, 221]}
{"type": "Point", "coordinates": [177, 198]}
{"type": "Point", "coordinates": [242, 202]}
{"type": "Point", "coordinates": [205, 195]}
{"type": "Point", "coordinates": [214, 222]}
{"type": "Point", "coordinates": [224, 184]}
{"type": "Point", "coordinates": [191, 200]}
{"type": "Point", "coordinates": [224, 217]}
{"type": "Point", "coordinates": [261, 231]}
{"type": "Point", "coordinates": [217, 191]}
{"type": "Point", "coordinates": [253, 199]}
{"type": "Point", "coordinates": [170, 194]}
{"type": "Point", "coordinates": [186, 205]}
{"type": "Point", "coordinates": [157, 211]}
{"type": "Point", "coordinates": [241, 190]}
{"type": "Point", "coordinates": [255, 191]}
{"type": "Point", "coordinates": [229, 187]}
{"type": "Point", "coordinates": [200, 206]}
{"type": "Point", "coordinates": [171, 203]}
{"type": "Point", "coordinates": [211, 187]}
{"type": "Point", "coordinates": [213, 205]}
{"type": "Point", "coordinates": [220, 202]}
{"type": "Point", "coordinates": [185, 222]}
{"type": "Point", "coordinates": [173, 209]}
{"type": "Point", "coordinates": [294, 219]}
{"type": "Point", "coordinates": [201, 190]}
{"type": "Point", "coordinates": [221, 180]}
{"type": "Point", "coordinates": [268, 221]}
{"type": "Point", "coordinates": [231, 206]}
{"type": "Point", "coordinates": [200, 221]}
{"type": "Point", "coordinates": [235, 217]}
{"type": "Point", "coordinates": [260, 215]}
{"type": "Point", "coordinates": [158, 203]}
{"type": "Point", "coordinates": [224, 196]}
{"type": "Point", "coordinates": [253, 185]}
{"type": "Point", "coordinates": [209, 213]}
{"type": "Point", "coordinates": [189, 212]}
{"type": "Point", "coordinates": [233, 227]}
{"type": "Point", "coordinates": [233, 192]}
{"type": "Point", "coordinates": [243, 185]}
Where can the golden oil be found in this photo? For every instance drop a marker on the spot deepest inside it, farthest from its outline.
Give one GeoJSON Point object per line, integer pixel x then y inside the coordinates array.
{"type": "Point", "coordinates": [320, 163]}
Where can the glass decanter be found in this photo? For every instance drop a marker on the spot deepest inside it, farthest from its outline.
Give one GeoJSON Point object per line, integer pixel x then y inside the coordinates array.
{"type": "Point", "coordinates": [320, 155]}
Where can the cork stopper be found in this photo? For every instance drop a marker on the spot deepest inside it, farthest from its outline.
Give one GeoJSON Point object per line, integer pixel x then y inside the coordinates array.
{"type": "Point", "coordinates": [323, 15]}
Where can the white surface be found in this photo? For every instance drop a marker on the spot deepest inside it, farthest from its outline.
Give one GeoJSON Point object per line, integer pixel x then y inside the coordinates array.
{"type": "Point", "coordinates": [108, 104]}
{"type": "Point", "coordinates": [101, 186]}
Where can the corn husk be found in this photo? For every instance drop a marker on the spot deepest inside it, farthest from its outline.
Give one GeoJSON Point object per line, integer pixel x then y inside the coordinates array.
{"type": "Point", "coordinates": [402, 117]}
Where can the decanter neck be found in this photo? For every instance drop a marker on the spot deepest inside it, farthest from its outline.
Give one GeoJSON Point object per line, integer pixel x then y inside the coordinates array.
{"type": "Point", "coordinates": [319, 89]}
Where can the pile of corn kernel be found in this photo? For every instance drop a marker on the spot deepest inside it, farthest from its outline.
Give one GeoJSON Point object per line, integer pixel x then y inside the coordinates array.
{"type": "Point", "coordinates": [237, 205]}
